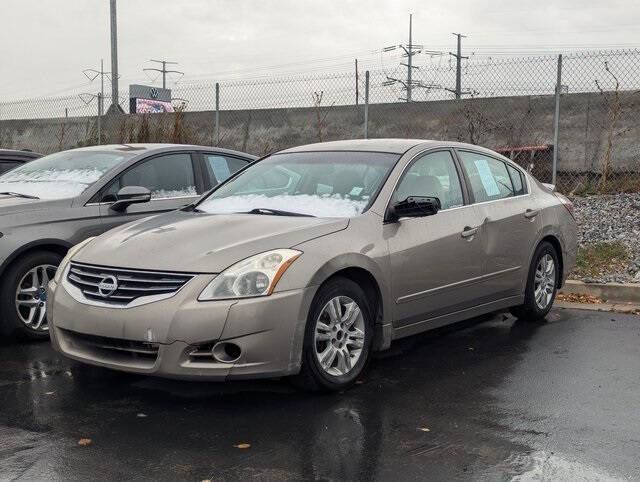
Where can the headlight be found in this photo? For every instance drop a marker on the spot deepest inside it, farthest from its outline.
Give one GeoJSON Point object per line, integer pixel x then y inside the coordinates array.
{"type": "Point", "coordinates": [65, 261]}
{"type": "Point", "coordinates": [254, 276]}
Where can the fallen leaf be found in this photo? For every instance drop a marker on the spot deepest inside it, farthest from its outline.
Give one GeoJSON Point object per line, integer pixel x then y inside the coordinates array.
{"type": "Point", "coordinates": [424, 429]}
{"type": "Point", "coordinates": [141, 415]}
{"type": "Point", "coordinates": [49, 393]}
{"type": "Point", "coordinates": [359, 382]}
{"type": "Point", "coordinates": [242, 446]}
{"type": "Point", "coordinates": [84, 441]}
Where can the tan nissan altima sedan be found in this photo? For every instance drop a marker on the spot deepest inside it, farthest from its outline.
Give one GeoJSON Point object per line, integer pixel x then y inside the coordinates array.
{"type": "Point", "coordinates": [308, 260]}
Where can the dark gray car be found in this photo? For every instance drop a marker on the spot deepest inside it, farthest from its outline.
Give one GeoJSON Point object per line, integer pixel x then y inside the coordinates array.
{"type": "Point", "coordinates": [10, 158]}
{"type": "Point", "coordinates": [52, 203]}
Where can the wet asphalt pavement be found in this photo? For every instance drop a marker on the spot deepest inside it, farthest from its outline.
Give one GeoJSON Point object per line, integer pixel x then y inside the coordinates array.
{"type": "Point", "coordinates": [495, 399]}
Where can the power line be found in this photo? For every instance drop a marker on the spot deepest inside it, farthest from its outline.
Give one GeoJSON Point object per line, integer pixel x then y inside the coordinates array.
{"type": "Point", "coordinates": [164, 70]}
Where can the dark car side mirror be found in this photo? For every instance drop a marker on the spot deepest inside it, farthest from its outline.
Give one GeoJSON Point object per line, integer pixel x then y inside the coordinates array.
{"type": "Point", "coordinates": [414, 207]}
{"type": "Point", "coordinates": [131, 195]}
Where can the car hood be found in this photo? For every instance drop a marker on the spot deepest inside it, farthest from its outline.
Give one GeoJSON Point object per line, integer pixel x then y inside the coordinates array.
{"type": "Point", "coordinates": [201, 243]}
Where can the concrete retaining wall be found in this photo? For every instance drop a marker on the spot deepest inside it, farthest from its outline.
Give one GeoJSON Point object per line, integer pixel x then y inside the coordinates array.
{"type": "Point", "coordinates": [492, 122]}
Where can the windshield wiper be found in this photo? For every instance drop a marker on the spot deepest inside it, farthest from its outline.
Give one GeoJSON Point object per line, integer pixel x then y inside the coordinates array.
{"type": "Point", "coordinates": [19, 194]}
{"type": "Point", "coordinates": [277, 212]}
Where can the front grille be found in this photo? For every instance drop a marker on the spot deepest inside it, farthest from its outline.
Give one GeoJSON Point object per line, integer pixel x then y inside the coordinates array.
{"type": "Point", "coordinates": [115, 350]}
{"type": "Point", "coordinates": [131, 284]}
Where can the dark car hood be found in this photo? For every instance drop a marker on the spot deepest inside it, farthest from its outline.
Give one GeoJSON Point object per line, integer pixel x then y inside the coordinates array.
{"type": "Point", "coordinates": [17, 205]}
{"type": "Point", "coordinates": [201, 243]}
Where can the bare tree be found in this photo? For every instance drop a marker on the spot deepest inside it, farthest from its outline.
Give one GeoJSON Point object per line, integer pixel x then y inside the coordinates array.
{"type": "Point", "coordinates": [615, 108]}
{"type": "Point", "coordinates": [321, 116]}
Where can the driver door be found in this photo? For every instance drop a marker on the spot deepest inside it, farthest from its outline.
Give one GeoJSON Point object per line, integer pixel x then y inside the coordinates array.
{"type": "Point", "coordinates": [171, 178]}
{"type": "Point", "coordinates": [435, 260]}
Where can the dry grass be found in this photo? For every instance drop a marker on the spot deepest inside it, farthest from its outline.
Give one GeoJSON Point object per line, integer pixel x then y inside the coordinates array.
{"type": "Point", "coordinates": [601, 258]}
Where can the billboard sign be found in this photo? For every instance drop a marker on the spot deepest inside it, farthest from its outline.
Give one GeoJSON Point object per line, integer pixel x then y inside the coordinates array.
{"type": "Point", "coordinates": [146, 106]}
{"type": "Point", "coordinates": [146, 99]}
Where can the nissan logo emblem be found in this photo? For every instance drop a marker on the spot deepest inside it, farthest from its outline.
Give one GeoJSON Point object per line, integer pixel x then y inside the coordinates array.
{"type": "Point", "coordinates": [108, 286]}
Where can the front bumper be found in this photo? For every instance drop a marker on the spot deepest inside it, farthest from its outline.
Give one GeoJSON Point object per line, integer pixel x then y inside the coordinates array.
{"type": "Point", "coordinates": [159, 338]}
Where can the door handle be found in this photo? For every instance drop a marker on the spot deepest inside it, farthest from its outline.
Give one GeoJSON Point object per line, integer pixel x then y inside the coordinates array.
{"type": "Point", "coordinates": [468, 231]}
{"type": "Point", "coordinates": [531, 213]}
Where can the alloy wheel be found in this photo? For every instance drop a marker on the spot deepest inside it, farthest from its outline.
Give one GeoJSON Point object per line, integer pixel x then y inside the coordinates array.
{"type": "Point", "coordinates": [31, 297]}
{"type": "Point", "coordinates": [339, 336]}
{"type": "Point", "coordinates": [545, 281]}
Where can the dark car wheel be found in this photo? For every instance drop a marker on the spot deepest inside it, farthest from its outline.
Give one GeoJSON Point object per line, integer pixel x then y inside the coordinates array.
{"type": "Point", "coordinates": [23, 296]}
{"type": "Point", "coordinates": [542, 284]}
{"type": "Point", "coordinates": [338, 337]}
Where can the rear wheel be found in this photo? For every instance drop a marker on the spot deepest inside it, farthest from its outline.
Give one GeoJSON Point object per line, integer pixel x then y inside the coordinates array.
{"type": "Point", "coordinates": [542, 284]}
{"type": "Point", "coordinates": [23, 295]}
{"type": "Point", "coordinates": [338, 337]}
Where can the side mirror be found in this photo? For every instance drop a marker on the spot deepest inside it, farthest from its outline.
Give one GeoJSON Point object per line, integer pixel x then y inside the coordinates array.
{"type": "Point", "coordinates": [414, 207]}
{"type": "Point", "coordinates": [131, 195]}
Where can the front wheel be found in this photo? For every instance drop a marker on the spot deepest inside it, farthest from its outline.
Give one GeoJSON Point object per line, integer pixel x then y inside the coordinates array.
{"type": "Point", "coordinates": [23, 295]}
{"type": "Point", "coordinates": [542, 284]}
{"type": "Point", "coordinates": [338, 337]}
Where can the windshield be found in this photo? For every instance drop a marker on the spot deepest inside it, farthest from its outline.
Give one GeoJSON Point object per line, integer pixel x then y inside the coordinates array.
{"type": "Point", "coordinates": [61, 175]}
{"type": "Point", "coordinates": [323, 184]}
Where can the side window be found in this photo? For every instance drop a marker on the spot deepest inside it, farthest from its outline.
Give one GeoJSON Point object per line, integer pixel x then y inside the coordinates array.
{"type": "Point", "coordinates": [488, 176]}
{"type": "Point", "coordinates": [433, 175]}
{"type": "Point", "coordinates": [221, 167]}
{"type": "Point", "coordinates": [516, 179]}
{"type": "Point", "coordinates": [165, 176]}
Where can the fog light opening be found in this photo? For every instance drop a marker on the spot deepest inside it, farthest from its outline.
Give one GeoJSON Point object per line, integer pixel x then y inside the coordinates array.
{"type": "Point", "coordinates": [226, 352]}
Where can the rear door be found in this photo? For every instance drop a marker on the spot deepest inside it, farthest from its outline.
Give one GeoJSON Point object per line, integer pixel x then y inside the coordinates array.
{"type": "Point", "coordinates": [173, 179]}
{"type": "Point", "coordinates": [510, 221]}
{"type": "Point", "coordinates": [435, 260]}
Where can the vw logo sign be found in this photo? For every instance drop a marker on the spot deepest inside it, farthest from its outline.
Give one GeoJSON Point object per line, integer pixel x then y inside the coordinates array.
{"type": "Point", "coordinates": [108, 286]}
{"type": "Point", "coordinates": [153, 93]}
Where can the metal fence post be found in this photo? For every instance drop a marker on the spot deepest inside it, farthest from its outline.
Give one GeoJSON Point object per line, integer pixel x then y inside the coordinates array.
{"type": "Point", "coordinates": [217, 114]}
{"type": "Point", "coordinates": [366, 104]}
{"type": "Point", "coordinates": [99, 118]}
{"type": "Point", "coordinates": [556, 121]}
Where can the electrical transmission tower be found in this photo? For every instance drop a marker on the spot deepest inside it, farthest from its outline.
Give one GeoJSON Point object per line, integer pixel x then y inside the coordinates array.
{"type": "Point", "coordinates": [164, 70]}
{"type": "Point", "coordinates": [458, 56]}
{"type": "Point", "coordinates": [410, 50]}
{"type": "Point", "coordinates": [93, 74]}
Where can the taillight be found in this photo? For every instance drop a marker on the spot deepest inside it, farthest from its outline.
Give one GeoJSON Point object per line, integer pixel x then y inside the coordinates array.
{"type": "Point", "coordinates": [566, 202]}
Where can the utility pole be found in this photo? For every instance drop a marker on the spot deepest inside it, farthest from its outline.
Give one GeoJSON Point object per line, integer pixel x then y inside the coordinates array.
{"type": "Point", "coordinates": [164, 70]}
{"type": "Point", "coordinates": [357, 82]}
{"type": "Point", "coordinates": [92, 74]}
{"type": "Point", "coordinates": [409, 51]}
{"type": "Point", "coordinates": [115, 99]}
{"type": "Point", "coordinates": [458, 92]}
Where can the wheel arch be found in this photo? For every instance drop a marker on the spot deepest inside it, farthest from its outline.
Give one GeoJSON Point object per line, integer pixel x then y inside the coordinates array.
{"type": "Point", "coordinates": [370, 277]}
{"type": "Point", "coordinates": [555, 242]}
{"type": "Point", "coordinates": [57, 246]}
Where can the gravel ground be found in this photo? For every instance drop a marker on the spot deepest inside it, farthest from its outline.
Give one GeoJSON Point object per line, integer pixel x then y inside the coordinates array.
{"type": "Point", "coordinates": [607, 218]}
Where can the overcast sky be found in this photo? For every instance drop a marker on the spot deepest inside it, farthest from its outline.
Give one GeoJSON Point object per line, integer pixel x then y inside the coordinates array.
{"type": "Point", "coordinates": [45, 44]}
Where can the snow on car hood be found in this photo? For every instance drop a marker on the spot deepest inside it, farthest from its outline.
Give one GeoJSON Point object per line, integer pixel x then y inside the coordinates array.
{"type": "Point", "coordinates": [50, 184]}
{"type": "Point", "coordinates": [201, 243]}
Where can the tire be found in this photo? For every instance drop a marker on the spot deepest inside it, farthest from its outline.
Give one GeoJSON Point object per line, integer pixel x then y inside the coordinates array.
{"type": "Point", "coordinates": [345, 338]}
{"type": "Point", "coordinates": [533, 309]}
{"type": "Point", "coordinates": [13, 324]}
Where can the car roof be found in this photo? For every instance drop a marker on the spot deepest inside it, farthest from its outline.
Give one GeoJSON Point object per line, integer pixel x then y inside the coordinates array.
{"type": "Point", "coordinates": [15, 153]}
{"type": "Point", "coordinates": [394, 146]}
{"type": "Point", "coordinates": [150, 148]}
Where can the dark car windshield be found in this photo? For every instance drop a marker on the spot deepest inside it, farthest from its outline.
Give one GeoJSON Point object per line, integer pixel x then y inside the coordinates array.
{"type": "Point", "coordinates": [324, 184]}
{"type": "Point", "coordinates": [61, 175]}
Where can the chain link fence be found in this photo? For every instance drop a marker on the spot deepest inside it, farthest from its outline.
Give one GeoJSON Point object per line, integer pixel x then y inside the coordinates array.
{"type": "Point", "coordinates": [507, 104]}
